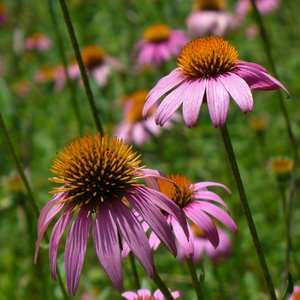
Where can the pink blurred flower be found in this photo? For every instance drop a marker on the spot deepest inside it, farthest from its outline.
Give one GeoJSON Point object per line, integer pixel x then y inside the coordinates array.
{"type": "Point", "coordinates": [202, 244]}
{"type": "Point", "coordinates": [146, 294]}
{"type": "Point", "coordinates": [3, 14]}
{"type": "Point", "coordinates": [209, 72]}
{"type": "Point", "coordinates": [296, 293]}
{"type": "Point", "coordinates": [195, 202]}
{"type": "Point", "coordinates": [264, 7]}
{"type": "Point", "coordinates": [98, 176]}
{"type": "Point", "coordinates": [134, 127]}
{"type": "Point", "coordinates": [160, 43]}
{"type": "Point", "coordinates": [38, 41]}
{"type": "Point", "coordinates": [97, 62]}
{"type": "Point", "coordinates": [210, 17]}
{"type": "Point", "coordinates": [22, 88]}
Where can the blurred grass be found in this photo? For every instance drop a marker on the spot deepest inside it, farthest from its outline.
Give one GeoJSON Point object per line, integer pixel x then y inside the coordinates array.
{"type": "Point", "coordinates": [42, 122]}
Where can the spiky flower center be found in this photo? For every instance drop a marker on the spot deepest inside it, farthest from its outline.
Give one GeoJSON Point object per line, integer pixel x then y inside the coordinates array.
{"type": "Point", "coordinates": [282, 165]}
{"type": "Point", "coordinates": [157, 33]}
{"type": "Point", "coordinates": [181, 194]}
{"type": "Point", "coordinates": [92, 56]}
{"type": "Point", "coordinates": [208, 5]}
{"type": "Point", "coordinates": [94, 170]}
{"type": "Point", "coordinates": [207, 57]}
{"type": "Point", "coordinates": [36, 36]}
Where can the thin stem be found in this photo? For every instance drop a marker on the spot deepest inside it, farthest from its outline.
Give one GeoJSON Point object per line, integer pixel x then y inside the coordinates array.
{"type": "Point", "coordinates": [18, 166]}
{"type": "Point", "coordinates": [246, 210]}
{"type": "Point", "coordinates": [84, 77]}
{"type": "Point", "coordinates": [267, 47]}
{"type": "Point", "coordinates": [191, 267]}
{"type": "Point", "coordinates": [135, 275]}
{"type": "Point", "coordinates": [62, 54]}
{"type": "Point", "coordinates": [162, 287]}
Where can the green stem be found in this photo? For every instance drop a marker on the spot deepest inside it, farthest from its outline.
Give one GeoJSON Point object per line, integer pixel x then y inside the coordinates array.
{"type": "Point", "coordinates": [18, 165]}
{"type": "Point", "coordinates": [267, 47]}
{"type": "Point", "coordinates": [84, 77]}
{"type": "Point", "coordinates": [62, 54]}
{"type": "Point", "coordinates": [246, 210]}
{"type": "Point", "coordinates": [191, 267]}
{"type": "Point", "coordinates": [135, 275]}
{"type": "Point", "coordinates": [162, 287]}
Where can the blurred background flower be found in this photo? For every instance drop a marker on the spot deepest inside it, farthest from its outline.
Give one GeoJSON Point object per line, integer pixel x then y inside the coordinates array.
{"type": "Point", "coordinates": [38, 41]}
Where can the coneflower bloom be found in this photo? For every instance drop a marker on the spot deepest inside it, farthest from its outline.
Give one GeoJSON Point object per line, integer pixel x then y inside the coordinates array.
{"type": "Point", "coordinates": [264, 7]}
{"type": "Point", "coordinates": [134, 127]}
{"type": "Point", "coordinates": [98, 176]}
{"type": "Point", "coordinates": [38, 41]}
{"type": "Point", "coordinates": [202, 244]}
{"type": "Point", "coordinates": [97, 62]}
{"type": "Point", "coordinates": [210, 17]}
{"type": "Point", "coordinates": [209, 71]}
{"type": "Point", "coordinates": [144, 294]}
{"type": "Point", "coordinates": [3, 14]}
{"type": "Point", "coordinates": [195, 202]}
{"type": "Point", "coordinates": [160, 43]}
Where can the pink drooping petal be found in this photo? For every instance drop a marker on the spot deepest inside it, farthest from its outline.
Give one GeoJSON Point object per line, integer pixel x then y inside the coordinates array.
{"type": "Point", "coordinates": [252, 65]}
{"type": "Point", "coordinates": [225, 244]}
{"type": "Point", "coordinates": [192, 103]}
{"type": "Point", "coordinates": [238, 90]}
{"type": "Point", "coordinates": [207, 195]}
{"type": "Point", "coordinates": [216, 212]}
{"type": "Point", "coordinates": [144, 294]}
{"type": "Point", "coordinates": [163, 202]}
{"type": "Point", "coordinates": [101, 74]}
{"type": "Point", "coordinates": [56, 236]}
{"type": "Point", "coordinates": [133, 234]}
{"type": "Point", "coordinates": [105, 234]}
{"type": "Point", "coordinates": [217, 101]}
{"type": "Point", "coordinates": [141, 202]}
{"type": "Point", "coordinates": [130, 295]}
{"type": "Point", "coordinates": [172, 102]}
{"type": "Point", "coordinates": [203, 221]}
{"type": "Point", "coordinates": [258, 80]}
{"type": "Point", "coordinates": [198, 249]}
{"type": "Point", "coordinates": [187, 245]}
{"type": "Point", "coordinates": [76, 247]}
{"type": "Point", "coordinates": [164, 85]}
{"type": "Point", "coordinates": [139, 134]}
{"type": "Point", "coordinates": [52, 213]}
{"type": "Point", "coordinates": [204, 184]}
{"type": "Point", "coordinates": [154, 241]}
{"type": "Point", "coordinates": [146, 55]}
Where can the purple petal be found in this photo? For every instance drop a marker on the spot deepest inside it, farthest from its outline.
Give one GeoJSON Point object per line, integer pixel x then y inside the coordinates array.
{"type": "Point", "coordinates": [144, 294]}
{"type": "Point", "coordinates": [141, 202]}
{"type": "Point", "coordinates": [204, 184]}
{"type": "Point", "coordinates": [238, 90]}
{"type": "Point", "coordinates": [187, 245]}
{"type": "Point", "coordinates": [154, 241]}
{"type": "Point", "coordinates": [207, 195]}
{"type": "Point", "coordinates": [216, 212]}
{"type": "Point", "coordinates": [217, 101]}
{"type": "Point", "coordinates": [204, 222]}
{"type": "Point", "coordinates": [164, 85]}
{"type": "Point", "coordinates": [258, 80]}
{"type": "Point", "coordinates": [192, 104]}
{"type": "Point", "coordinates": [133, 234]}
{"type": "Point", "coordinates": [56, 235]}
{"type": "Point", "coordinates": [252, 65]}
{"type": "Point", "coordinates": [177, 294]}
{"type": "Point", "coordinates": [130, 295]}
{"type": "Point", "coordinates": [76, 247]}
{"type": "Point", "coordinates": [46, 221]}
{"type": "Point", "coordinates": [105, 234]}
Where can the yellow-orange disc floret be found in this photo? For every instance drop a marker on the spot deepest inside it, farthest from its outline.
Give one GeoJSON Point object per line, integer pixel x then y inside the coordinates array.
{"type": "Point", "coordinates": [157, 33]}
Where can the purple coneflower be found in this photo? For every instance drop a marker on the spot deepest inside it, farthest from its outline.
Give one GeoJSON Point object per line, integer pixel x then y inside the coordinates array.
{"type": "Point", "coordinates": [97, 62]}
{"type": "Point", "coordinates": [195, 202]}
{"type": "Point", "coordinates": [160, 43]}
{"type": "Point", "coordinates": [146, 295]}
{"type": "Point", "coordinates": [98, 176]}
{"type": "Point", "coordinates": [209, 17]}
{"type": "Point", "coordinates": [134, 127]}
{"type": "Point", "coordinates": [202, 244]}
{"type": "Point", "coordinates": [209, 71]}
{"type": "Point", "coordinates": [38, 41]}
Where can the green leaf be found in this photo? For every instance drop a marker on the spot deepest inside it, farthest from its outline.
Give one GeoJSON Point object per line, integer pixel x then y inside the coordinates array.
{"type": "Point", "coordinates": [289, 288]}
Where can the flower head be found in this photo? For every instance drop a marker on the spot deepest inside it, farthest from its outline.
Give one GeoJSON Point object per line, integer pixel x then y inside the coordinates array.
{"type": "Point", "coordinates": [97, 62]}
{"type": "Point", "coordinates": [159, 44]}
{"type": "Point", "coordinates": [146, 295]}
{"type": "Point", "coordinates": [99, 176]}
{"type": "Point", "coordinates": [209, 71]}
{"type": "Point", "coordinates": [202, 244]}
{"type": "Point", "coordinates": [3, 13]}
{"type": "Point", "coordinates": [195, 202]}
{"type": "Point", "coordinates": [281, 167]}
{"type": "Point", "coordinates": [134, 127]}
{"type": "Point", "coordinates": [296, 293]}
{"type": "Point", "coordinates": [38, 41]}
